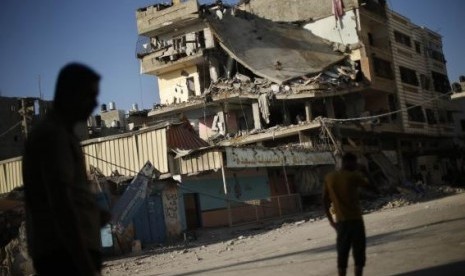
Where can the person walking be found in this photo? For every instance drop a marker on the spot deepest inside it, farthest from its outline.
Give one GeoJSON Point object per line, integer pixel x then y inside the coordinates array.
{"type": "Point", "coordinates": [63, 219]}
{"type": "Point", "coordinates": [341, 191]}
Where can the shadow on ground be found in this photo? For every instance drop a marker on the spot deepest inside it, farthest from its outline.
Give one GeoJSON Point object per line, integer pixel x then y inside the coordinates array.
{"type": "Point", "coordinates": [457, 268]}
{"type": "Point", "coordinates": [385, 237]}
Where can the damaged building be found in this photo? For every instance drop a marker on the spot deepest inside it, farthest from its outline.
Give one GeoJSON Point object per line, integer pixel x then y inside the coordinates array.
{"type": "Point", "coordinates": [356, 77]}
{"type": "Point", "coordinates": [257, 101]}
{"type": "Point", "coordinates": [17, 117]}
{"type": "Point", "coordinates": [252, 89]}
{"type": "Point", "coordinates": [406, 70]}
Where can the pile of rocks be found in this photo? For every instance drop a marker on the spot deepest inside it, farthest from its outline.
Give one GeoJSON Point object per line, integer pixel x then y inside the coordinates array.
{"type": "Point", "coordinates": [14, 259]}
{"type": "Point", "coordinates": [406, 197]}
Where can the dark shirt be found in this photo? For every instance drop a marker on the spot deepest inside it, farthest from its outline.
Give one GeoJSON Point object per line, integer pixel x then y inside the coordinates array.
{"type": "Point", "coordinates": [60, 208]}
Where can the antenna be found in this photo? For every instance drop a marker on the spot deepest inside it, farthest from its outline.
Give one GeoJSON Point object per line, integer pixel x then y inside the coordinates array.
{"type": "Point", "coordinates": [40, 88]}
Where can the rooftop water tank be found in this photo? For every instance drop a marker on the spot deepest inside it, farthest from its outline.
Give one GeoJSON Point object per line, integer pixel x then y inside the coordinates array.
{"type": "Point", "coordinates": [135, 107]}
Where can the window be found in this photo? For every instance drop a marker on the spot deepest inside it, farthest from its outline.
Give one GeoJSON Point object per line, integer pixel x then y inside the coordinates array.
{"type": "Point", "coordinates": [382, 68]}
{"type": "Point", "coordinates": [190, 86]}
{"type": "Point", "coordinates": [370, 39]}
{"type": "Point", "coordinates": [393, 106]}
{"type": "Point", "coordinates": [425, 82]}
{"type": "Point", "coordinates": [402, 38]}
{"type": "Point", "coordinates": [436, 55]}
{"type": "Point", "coordinates": [431, 117]}
{"type": "Point", "coordinates": [417, 47]}
{"type": "Point", "coordinates": [440, 82]}
{"type": "Point", "coordinates": [442, 116]}
{"type": "Point", "coordinates": [450, 117]}
{"type": "Point", "coordinates": [179, 43]}
{"type": "Point", "coordinates": [415, 113]}
{"type": "Point", "coordinates": [408, 76]}
{"type": "Point", "coordinates": [200, 38]}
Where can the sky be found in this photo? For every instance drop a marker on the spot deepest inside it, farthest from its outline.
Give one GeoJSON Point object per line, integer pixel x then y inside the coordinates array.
{"type": "Point", "coordinates": [38, 37]}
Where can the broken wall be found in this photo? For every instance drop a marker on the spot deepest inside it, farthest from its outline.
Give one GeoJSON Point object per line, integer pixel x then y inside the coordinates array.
{"type": "Point", "coordinates": [189, 31]}
{"type": "Point", "coordinates": [172, 199]}
{"type": "Point", "coordinates": [174, 86]}
{"type": "Point", "coordinates": [208, 126]}
{"type": "Point", "coordinates": [243, 185]}
{"type": "Point", "coordinates": [344, 32]}
{"type": "Point", "coordinates": [432, 169]}
{"type": "Point", "coordinates": [293, 10]}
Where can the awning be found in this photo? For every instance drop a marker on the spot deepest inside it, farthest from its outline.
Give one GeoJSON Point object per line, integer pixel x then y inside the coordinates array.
{"type": "Point", "coordinates": [182, 137]}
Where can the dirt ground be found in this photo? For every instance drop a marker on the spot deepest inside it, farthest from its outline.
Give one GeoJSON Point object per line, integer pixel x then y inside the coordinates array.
{"type": "Point", "coordinates": [425, 238]}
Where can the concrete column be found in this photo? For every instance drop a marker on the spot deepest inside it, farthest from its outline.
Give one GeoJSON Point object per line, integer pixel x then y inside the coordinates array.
{"type": "Point", "coordinates": [213, 68]}
{"type": "Point", "coordinates": [226, 193]}
{"type": "Point", "coordinates": [256, 116]}
{"type": "Point", "coordinates": [223, 129]}
{"type": "Point", "coordinates": [229, 67]}
{"type": "Point", "coordinates": [308, 111]}
{"type": "Point", "coordinates": [329, 108]}
{"type": "Point", "coordinates": [400, 160]}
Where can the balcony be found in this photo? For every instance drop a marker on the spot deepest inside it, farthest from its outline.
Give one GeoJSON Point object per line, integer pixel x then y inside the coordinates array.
{"type": "Point", "coordinates": [160, 61]}
{"type": "Point", "coordinates": [158, 19]}
{"type": "Point", "coordinates": [375, 7]}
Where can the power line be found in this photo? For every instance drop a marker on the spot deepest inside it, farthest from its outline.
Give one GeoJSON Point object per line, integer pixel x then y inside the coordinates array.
{"type": "Point", "coordinates": [366, 118]}
{"type": "Point", "coordinates": [11, 128]}
{"type": "Point", "coordinates": [324, 119]}
{"type": "Point", "coordinates": [183, 187]}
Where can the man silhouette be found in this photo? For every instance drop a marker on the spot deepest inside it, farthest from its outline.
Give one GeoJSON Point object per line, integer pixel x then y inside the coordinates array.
{"type": "Point", "coordinates": [63, 219]}
{"type": "Point", "coordinates": [341, 189]}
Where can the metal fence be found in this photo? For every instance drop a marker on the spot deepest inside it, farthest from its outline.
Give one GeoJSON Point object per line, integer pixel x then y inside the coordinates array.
{"type": "Point", "coordinates": [11, 174]}
{"type": "Point", "coordinates": [126, 153]}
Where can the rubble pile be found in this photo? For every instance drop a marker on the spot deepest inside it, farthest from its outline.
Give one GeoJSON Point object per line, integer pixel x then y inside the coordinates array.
{"type": "Point", "coordinates": [337, 77]}
{"type": "Point", "coordinates": [14, 259]}
{"type": "Point", "coordinates": [406, 197]}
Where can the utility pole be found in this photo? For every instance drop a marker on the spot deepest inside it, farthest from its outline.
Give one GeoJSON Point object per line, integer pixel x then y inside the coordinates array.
{"type": "Point", "coordinates": [40, 88]}
{"type": "Point", "coordinates": [25, 113]}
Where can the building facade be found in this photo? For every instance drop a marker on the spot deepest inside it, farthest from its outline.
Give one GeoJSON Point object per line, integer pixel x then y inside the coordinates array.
{"type": "Point", "coordinates": [18, 116]}
{"type": "Point", "coordinates": [213, 69]}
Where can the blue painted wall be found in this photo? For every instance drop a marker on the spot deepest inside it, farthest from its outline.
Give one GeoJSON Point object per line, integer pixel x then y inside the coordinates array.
{"type": "Point", "coordinates": [242, 187]}
{"type": "Point", "coordinates": [149, 222]}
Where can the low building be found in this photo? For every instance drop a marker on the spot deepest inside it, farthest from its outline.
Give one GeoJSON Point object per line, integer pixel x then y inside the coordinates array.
{"type": "Point", "coordinates": [17, 117]}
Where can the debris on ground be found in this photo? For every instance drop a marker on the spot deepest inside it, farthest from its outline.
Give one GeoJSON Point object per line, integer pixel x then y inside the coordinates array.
{"type": "Point", "coordinates": [13, 253]}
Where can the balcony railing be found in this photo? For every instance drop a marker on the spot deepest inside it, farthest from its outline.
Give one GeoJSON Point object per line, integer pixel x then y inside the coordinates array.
{"type": "Point", "coordinates": [162, 61]}
{"type": "Point", "coordinates": [376, 7]}
{"type": "Point", "coordinates": [157, 19]}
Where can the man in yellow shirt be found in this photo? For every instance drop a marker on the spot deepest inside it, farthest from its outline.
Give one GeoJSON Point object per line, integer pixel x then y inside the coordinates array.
{"type": "Point", "coordinates": [341, 189]}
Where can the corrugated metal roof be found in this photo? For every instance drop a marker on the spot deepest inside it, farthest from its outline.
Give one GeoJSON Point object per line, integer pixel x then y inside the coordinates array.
{"type": "Point", "coordinates": [278, 52]}
{"type": "Point", "coordinates": [183, 136]}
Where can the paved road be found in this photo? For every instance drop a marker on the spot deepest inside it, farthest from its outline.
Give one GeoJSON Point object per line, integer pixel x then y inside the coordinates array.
{"type": "Point", "coordinates": [421, 239]}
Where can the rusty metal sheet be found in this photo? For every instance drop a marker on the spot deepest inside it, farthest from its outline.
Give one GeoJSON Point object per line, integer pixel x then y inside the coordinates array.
{"type": "Point", "coordinates": [132, 199]}
{"type": "Point", "coordinates": [210, 159]}
{"type": "Point", "coordinates": [11, 174]}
